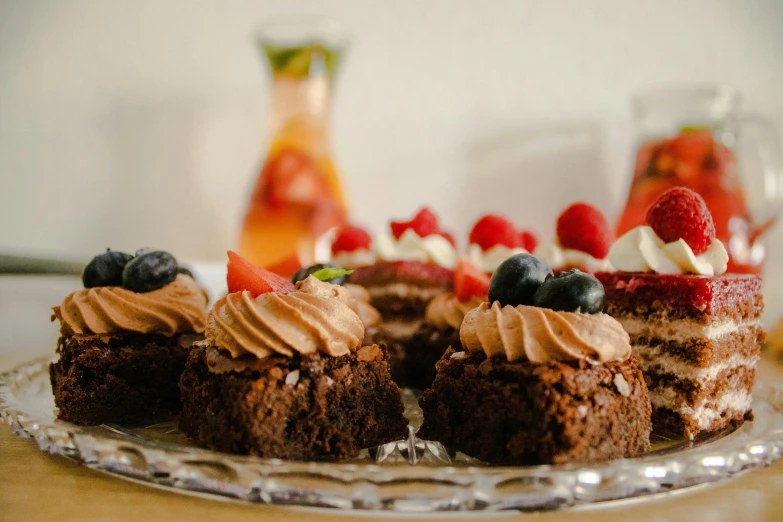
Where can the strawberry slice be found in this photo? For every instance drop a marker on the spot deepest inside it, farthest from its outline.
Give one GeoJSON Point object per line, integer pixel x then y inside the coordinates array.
{"type": "Point", "coordinates": [469, 281]}
{"type": "Point", "coordinates": [286, 267]}
{"type": "Point", "coordinates": [244, 275]}
{"type": "Point", "coordinates": [350, 238]}
{"type": "Point", "coordinates": [425, 223]}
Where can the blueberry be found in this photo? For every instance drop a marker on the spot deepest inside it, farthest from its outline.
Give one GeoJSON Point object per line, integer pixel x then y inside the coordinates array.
{"type": "Point", "coordinates": [105, 269]}
{"type": "Point", "coordinates": [573, 291]}
{"type": "Point", "coordinates": [516, 280]}
{"type": "Point", "coordinates": [303, 273]}
{"type": "Point", "coordinates": [149, 271]}
{"type": "Point", "coordinates": [184, 271]}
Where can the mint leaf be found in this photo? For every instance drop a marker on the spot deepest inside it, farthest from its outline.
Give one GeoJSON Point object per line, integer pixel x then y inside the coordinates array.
{"type": "Point", "coordinates": [326, 274]}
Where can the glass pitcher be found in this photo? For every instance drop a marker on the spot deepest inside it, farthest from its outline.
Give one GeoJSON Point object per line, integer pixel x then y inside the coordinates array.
{"type": "Point", "coordinates": [298, 197]}
{"type": "Point", "coordinates": [698, 138]}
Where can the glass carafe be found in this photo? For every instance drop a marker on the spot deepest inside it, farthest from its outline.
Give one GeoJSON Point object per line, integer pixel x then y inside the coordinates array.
{"type": "Point", "coordinates": [298, 197]}
{"type": "Point", "coordinates": [698, 138]}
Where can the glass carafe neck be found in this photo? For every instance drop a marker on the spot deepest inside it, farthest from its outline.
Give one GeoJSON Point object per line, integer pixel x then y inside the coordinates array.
{"type": "Point", "coordinates": [299, 99]}
{"type": "Point", "coordinates": [668, 111]}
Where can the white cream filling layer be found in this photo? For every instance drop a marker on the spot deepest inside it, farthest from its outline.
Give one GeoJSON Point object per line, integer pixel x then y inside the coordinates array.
{"type": "Point", "coordinates": [682, 329]}
{"type": "Point", "coordinates": [704, 413]}
{"type": "Point", "coordinates": [399, 329]}
{"type": "Point", "coordinates": [651, 358]}
{"type": "Point", "coordinates": [405, 291]}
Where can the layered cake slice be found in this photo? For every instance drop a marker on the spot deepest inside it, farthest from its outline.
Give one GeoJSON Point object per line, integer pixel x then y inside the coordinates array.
{"type": "Point", "coordinates": [697, 334]}
{"type": "Point", "coordinates": [411, 266]}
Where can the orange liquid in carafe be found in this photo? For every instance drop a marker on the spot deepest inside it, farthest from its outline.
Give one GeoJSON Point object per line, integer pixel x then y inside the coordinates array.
{"type": "Point", "coordinates": [298, 196]}
{"type": "Point", "coordinates": [694, 160]}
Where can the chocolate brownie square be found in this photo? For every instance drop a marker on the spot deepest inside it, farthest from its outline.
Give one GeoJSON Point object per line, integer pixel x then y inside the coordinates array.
{"type": "Point", "coordinates": [527, 413]}
{"type": "Point", "coordinates": [414, 364]}
{"type": "Point", "coordinates": [122, 378]}
{"type": "Point", "coordinates": [297, 408]}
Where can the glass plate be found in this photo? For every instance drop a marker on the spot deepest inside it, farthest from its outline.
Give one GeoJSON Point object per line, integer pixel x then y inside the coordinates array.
{"type": "Point", "coordinates": [411, 475]}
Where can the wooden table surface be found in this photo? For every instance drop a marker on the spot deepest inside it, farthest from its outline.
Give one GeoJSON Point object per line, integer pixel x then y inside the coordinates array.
{"type": "Point", "coordinates": [36, 486]}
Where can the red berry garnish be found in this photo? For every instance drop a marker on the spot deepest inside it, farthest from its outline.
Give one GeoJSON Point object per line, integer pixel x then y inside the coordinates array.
{"type": "Point", "coordinates": [583, 227]}
{"type": "Point", "coordinates": [493, 230]}
{"type": "Point", "coordinates": [286, 267]}
{"type": "Point", "coordinates": [425, 223]}
{"type": "Point", "coordinates": [528, 240]}
{"type": "Point", "coordinates": [244, 275]}
{"type": "Point", "coordinates": [469, 281]}
{"type": "Point", "coordinates": [680, 213]}
{"type": "Point", "coordinates": [449, 238]}
{"type": "Point", "coordinates": [350, 238]}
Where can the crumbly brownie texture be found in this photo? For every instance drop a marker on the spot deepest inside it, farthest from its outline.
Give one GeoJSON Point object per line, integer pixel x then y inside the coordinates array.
{"type": "Point", "coordinates": [296, 408]}
{"type": "Point", "coordinates": [698, 341]}
{"type": "Point", "coordinates": [413, 365]}
{"type": "Point", "coordinates": [125, 379]}
{"type": "Point", "coordinates": [526, 413]}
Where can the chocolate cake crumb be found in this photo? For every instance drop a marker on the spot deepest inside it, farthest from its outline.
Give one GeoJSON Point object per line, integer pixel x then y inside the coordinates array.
{"type": "Point", "coordinates": [125, 379]}
{"type": "Point", "coordinates": [527, 413]}
{"type": "Point", "coordinates": [338, 405]}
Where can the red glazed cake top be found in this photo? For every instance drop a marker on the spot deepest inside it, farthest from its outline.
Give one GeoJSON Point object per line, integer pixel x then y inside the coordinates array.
{"type": "Point", "coordinates": [688, 294]}
{"type": "Point", "coordinates": [415, 272]}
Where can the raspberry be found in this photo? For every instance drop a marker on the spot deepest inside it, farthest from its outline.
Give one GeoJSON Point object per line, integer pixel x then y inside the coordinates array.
{"type": "Point", "coordinates": [528, 240]}
{"type": "Point", "coordinates": [350, 238]}
{"type": "Point", "coordinates": [469, 281]}
{"type": "Point", "coordinates": [244, 275]}
{"type": "Point", "coordinates": [583, 227]}
{"type": "Point", "coordinates": [680, 213]}
{"type": "Point", "coordinates": [493, 230]}
{"type": "Point", "coordinates": [425, 223]}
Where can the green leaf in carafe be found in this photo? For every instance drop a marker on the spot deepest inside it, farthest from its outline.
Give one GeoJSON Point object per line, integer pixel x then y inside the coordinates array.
{"type": "Point", "coordinates": [694, 129]}
{"type": "Point", "coordinates": [299, 61]}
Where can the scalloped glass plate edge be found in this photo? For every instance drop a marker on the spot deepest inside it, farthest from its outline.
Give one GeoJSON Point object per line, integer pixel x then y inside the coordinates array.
{"type": "Point", "coordinates": [390, 486]}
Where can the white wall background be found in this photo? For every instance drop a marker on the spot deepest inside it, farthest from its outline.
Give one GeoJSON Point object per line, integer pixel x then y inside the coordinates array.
{"type": "Point", "coordinates": [142, 122]}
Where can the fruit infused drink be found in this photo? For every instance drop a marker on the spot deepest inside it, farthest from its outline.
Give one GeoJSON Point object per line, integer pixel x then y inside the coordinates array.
{"type": "Point", "coordinates": [298, 196]}
{"type": "Point", "coordinates": [695, 159]}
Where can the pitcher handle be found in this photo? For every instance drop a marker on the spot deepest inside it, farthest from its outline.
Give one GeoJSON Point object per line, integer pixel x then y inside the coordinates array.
{"type": "Point", "coordinates": [767, 207]}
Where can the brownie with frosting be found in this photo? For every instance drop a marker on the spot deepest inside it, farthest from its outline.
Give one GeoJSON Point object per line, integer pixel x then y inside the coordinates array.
{"type": "Point", "coordinates": [288, 375]}
{"type": "Point", "coordinates": [121, 352]}
{"type": "Point", "coordinates": [530, 385]}
{"type": "Point", "coordinates": [439, 331]}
